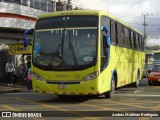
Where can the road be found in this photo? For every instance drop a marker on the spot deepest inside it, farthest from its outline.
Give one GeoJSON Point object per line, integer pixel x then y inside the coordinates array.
{"type": "Point", "coordinates": [126, 100]}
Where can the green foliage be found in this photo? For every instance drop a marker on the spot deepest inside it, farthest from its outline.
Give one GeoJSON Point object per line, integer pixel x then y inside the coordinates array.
{"type": "Point", "coordinates": [69, 4]}
{"type": "Point", "coordinates": [59, 5]}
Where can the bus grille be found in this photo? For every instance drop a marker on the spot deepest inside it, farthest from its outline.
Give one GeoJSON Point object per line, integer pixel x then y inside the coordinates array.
{"type": "Point", "coordinates": [63, 82]}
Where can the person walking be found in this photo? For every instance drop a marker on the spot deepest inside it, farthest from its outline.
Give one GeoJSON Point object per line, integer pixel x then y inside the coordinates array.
{"type": "Point", "coordinates": [28, 62]}
{"type": "Point", "coordinates": [10, 72]}
{"type": "Point", "coordinates": [29, 80]}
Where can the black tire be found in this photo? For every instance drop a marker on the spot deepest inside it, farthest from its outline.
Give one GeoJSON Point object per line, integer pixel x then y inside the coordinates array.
{"type": "Point", "coordinates": [150, 83]}
{"type": "Point", "coordinates": [61, 96]}
{"type": "Point", "coordinates": [136, 84]}
{"type": "Point", "coordinates": [109, 94]}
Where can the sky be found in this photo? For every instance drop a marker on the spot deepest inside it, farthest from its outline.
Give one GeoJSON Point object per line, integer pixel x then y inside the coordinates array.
{"type": "Point", "coordinates": [131, 11]}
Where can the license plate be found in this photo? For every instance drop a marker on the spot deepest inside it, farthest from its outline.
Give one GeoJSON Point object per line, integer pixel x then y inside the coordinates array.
{"type": "Point", "coordinates": [63, 87]}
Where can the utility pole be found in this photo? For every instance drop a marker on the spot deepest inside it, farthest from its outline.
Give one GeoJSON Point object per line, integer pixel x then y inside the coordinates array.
{"type": "Point", "coordinates": [55, 5]}
{"type": "Point", "coordinates": [145, 24]}
{"type": "Point", "coordinates": [64, 5]}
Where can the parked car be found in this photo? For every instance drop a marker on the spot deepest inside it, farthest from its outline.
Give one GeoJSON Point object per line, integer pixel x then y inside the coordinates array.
{"type": "Point", "coordinates": [154, 75]}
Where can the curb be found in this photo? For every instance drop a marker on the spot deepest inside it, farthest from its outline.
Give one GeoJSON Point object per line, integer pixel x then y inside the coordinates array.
{"type": "Point", "coordinates": [10, 91]}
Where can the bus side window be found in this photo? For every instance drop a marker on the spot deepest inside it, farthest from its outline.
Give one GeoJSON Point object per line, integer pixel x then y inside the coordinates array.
{"type": "Point", "coordinates": [130, 39]}
{"type": "Point", "coordinates": [126, 34]}
{"type": "Point", "coordinates": [134, 39]}
{"type": "Point", "coordinates": [105, 51]}
{"type": "Point", "coordinates": [113, 32]}
{"type": "Point", "coordinates": [116, 33]}
{"type": "Point", "coordinates": [120, 34]}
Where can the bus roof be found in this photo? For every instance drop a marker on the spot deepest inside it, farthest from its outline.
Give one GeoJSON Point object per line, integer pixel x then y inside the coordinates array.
{"type": "Point", "coordinates": [87, 12]}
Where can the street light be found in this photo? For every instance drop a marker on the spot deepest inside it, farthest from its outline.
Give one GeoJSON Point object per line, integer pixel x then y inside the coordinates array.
{"type": "Point", "coordinates": [144, 24]}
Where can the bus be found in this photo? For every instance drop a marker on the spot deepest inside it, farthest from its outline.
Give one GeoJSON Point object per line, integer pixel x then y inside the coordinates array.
{"type": "Point", "coordinates": [149, 56]}
{"type": "Point", "coordinates": [85, 52]}
{"type": "Point", "coordinates": [156, 57]}
{"type": "Point", "coordinates": [149, 61]}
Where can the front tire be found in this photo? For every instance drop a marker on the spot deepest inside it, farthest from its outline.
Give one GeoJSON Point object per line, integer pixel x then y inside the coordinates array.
{"type": "Point", "coordinates": [136, 84]}
{"type": "Point", "coordinates": [61, 96]}
{"type": "Point", "coordinates": [109, 94]}
{"type": "Point", "coordinates": [150, 83]}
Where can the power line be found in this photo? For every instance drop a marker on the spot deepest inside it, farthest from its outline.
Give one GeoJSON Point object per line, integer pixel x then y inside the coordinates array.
{"type": "Point", "coordinates": [147, 24]}
{"type": "Point", "coordinates": [132, 16]}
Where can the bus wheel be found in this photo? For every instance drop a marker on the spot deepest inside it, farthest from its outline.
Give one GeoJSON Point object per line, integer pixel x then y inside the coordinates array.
{"type": "Point", "coordinates": [109, 94]}
{"type": "Point", "coordinates": [61, 96]}
{"type": "Point", "coordinates": [136, 84]}
{"type": "Point", "coordinates": [150, 83]}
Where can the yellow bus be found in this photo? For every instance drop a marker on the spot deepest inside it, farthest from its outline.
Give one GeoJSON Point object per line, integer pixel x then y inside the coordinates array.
{"type": "Point", "coordinates": [85, 52]}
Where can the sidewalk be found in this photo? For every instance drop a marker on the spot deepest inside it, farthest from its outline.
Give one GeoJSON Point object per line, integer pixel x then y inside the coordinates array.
{"type": "Point", "coordinates": [10, 89]}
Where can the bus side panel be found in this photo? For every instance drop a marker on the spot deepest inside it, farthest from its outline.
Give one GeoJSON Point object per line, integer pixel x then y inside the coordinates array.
{"type": "Point", "coordinates": [126, 63]}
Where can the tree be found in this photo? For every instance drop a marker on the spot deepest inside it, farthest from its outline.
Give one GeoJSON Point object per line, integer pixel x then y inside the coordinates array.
{"type": "Point", "coordinates": [69, 4]}
{"type": "Point", "coordinates": [59, 6]}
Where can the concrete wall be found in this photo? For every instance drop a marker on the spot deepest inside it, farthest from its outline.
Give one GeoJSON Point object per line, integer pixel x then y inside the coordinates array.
{"type": "Point", "coordinates": [20, 10]}
{"type": "Point", "coordinates": [10, 22]}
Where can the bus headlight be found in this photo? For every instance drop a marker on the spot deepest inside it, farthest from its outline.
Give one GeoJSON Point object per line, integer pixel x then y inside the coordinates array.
{"type": "Point", "coordinates": [90, 76]}
{"type": "Point", "coordinates": [38, 77]}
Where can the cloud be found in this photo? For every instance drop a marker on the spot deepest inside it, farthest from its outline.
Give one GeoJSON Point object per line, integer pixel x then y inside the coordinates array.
{"type": "Point", "coordinates": [92, 4]}
{"type": "Point", "coordinates": [130, 11]}
{"type": "Point", "coordinates": [153, 42]}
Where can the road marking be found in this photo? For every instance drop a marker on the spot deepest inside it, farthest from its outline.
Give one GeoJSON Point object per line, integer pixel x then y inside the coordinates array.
{"type": "Point", "coordinates": [136, 95]}
{"type": "Point", "coordinates": [138, 91]}
{"type": "Point", "coordinates": [100, 107]}
{"type": "Point", "coordinates": [156, 108]}
{"type": "Point", "coordinates": [144, 118]}
{"type": "Point", "coordinates": [129, 104]}
{"type": "Point", "coordinates": [156, 86]}
{"type": "Point", "coordinates": [53, 107]}
{"type": "Point", "coordinates": [8, 107]}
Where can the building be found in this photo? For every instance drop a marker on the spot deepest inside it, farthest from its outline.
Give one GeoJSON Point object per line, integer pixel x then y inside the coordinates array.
{"type": "Point", "coordinates": [15, 17]}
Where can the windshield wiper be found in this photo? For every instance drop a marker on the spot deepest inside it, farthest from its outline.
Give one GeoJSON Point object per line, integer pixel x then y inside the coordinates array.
{"type": "Point", "coordinates": [58, 54]}
{"type": "Point", "coordinates": [56, 57]}
{"type": "Point", "coordinates": [72, 50]}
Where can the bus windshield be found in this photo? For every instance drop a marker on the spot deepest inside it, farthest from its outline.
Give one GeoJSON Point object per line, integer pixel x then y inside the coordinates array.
{"type": "Point", "coordinates": [65, 42]}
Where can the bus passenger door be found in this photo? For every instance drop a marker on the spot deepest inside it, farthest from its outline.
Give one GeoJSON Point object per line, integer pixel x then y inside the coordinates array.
{"type": "Point", "coordinates": [105, 48]}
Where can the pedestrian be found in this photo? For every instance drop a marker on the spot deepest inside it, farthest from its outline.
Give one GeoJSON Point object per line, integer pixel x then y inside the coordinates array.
{"type": "Point", "coordinates": [22, 67]}
{"type": "Point", "coordinates": [29, 80]}
{"type": "Point", "coordinates": [10, 72]}
{"type": "Point", "coordinates": [28, 62]}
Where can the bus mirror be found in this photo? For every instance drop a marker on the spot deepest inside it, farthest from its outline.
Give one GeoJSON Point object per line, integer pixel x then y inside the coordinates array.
{"type": "Point", "coordinates": [25, 36]}
{"type": "Point", "coordinates": [106, 37]}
